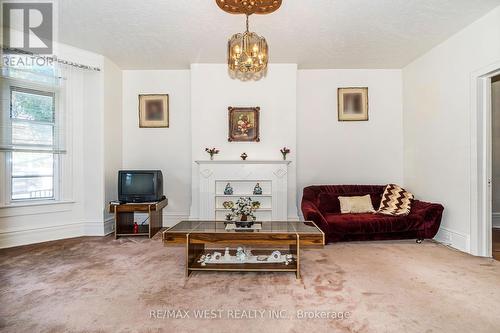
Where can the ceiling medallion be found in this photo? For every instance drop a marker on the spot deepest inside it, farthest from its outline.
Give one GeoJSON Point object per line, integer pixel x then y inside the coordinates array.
{"type": "Point", "coordinates": [247, 52]}
{"type": "Point", "coordinates": [249, 7]}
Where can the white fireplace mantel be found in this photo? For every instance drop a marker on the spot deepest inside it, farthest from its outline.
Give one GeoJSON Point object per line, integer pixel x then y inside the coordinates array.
{"type": "Point", "coordinates": [242, 162]}
{"type": "Point", "coordinates": [209, 174]}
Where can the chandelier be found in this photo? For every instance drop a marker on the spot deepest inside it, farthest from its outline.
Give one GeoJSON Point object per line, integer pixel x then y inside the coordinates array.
{"type": "Point", "coordinates": [248, 52]}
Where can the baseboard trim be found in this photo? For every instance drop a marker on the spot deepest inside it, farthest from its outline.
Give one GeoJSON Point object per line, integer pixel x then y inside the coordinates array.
{"type": "Point", "coordinates": [172, 218]}
{"type": "Point", "coordinates": [91, 228]}
{"type": "Point", "coordinates": [454, 239]}
{"type": "Point", "coordinates": [39, 235]}
{"type": "Point", "coordinates": [56, 232]}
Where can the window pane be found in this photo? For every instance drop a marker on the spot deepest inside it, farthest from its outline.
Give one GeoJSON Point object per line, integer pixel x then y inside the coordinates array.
{"type": "Point", "coordinates": [32, 106]}
{"type": "Point", "coordinates": [32, 188]}
{"type": "Point", "coordinates": [32, 164]}
{"type": "Point", "coordinates": [32, 133]}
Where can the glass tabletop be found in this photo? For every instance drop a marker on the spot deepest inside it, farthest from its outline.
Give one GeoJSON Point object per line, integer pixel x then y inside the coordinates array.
{"type": "Point", "coordinates": [300, 227]}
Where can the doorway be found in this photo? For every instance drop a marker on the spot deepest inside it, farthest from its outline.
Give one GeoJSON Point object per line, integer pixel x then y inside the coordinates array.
{"type": "Point", "coordinates": [495, 169]}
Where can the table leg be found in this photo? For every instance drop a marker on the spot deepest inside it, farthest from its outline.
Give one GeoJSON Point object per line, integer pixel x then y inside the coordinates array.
{"type": "Point", "coordinates": [298, 257]}
{"type": "Point", "coordinates": [295, 251]}
{"type": "Point", "coordinates": [193, 251]}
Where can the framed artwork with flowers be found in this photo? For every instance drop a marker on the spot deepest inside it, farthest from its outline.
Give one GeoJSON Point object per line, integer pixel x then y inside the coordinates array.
{"type": "Point", "coordinates": [243, 124]}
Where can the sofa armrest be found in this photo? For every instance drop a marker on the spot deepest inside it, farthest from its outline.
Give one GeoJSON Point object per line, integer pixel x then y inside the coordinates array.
{"type": "Point", "coordinates": [430, 213]}
{"type": "Point", "coordinates": [312, 213]}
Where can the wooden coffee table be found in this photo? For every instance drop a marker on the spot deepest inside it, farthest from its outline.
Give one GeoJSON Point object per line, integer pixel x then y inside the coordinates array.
{"type": "Point", "coordinates": [202, 237]}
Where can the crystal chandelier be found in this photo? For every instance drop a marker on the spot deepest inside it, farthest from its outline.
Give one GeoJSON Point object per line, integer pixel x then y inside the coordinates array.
{"type": "Point", "coordinates": [247, 52]}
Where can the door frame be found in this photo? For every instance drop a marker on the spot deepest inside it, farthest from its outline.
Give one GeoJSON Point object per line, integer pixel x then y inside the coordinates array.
{"type": "Point", "coordinates": [481, 160]}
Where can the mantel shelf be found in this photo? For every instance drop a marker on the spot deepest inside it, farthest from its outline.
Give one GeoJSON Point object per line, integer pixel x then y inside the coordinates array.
{"type": "Point", "coordinates": [242, 162]}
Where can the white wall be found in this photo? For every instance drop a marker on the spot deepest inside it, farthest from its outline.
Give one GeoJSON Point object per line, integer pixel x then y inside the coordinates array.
{"type": "Point", "coordinates": [333, 152]}
{"type": "Point", "coordinates": [437, 122]}
{"type": "Point", "coordinates": [112, 133]}
{"type": "Point", "coordinates": [166, 149]}
{"type": "Point", "coordinates": [495, 172]}
{"type": "Point", "coordinates": [213, 91]}
{"type": "Point", "coordinates": [298, 109]}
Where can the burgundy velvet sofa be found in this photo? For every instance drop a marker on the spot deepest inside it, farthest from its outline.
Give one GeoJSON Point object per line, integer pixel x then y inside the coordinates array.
{"type": "Point", "coordinates": [321, 205]}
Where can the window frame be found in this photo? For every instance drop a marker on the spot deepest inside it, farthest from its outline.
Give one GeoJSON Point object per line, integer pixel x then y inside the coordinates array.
{"type": "Point", "coordinates": [10, 86]}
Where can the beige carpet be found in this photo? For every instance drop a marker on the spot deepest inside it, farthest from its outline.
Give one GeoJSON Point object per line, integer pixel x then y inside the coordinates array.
{"type": "Point", "coordinates": [103, 285]}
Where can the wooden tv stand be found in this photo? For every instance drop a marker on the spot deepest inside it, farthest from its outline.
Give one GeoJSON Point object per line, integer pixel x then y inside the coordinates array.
{"type": "Point", "coordinates": [124, 218]}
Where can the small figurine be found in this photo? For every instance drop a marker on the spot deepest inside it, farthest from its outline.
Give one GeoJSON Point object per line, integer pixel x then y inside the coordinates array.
{"type": "Point", "coordinates": [257, 190]}
{"type": "Point", "coordinates": [227, 256]}
{"type": "Point", "coordinates": [240, 254]}
{"type": "Point", "coordinates": [136, 228]}
{"type": "Point", "coordinates": [212, 152]}
{"type": "Point", "coordinates": [276, 255]}
{"type": "Point", "coordinates": [228, 204]}
{"type": "Point", "coordinates": [228, 190]}
{"type": "Point", "coordinates": [284, 151]}
{"type": "Point", "coordinates": [244, 156]}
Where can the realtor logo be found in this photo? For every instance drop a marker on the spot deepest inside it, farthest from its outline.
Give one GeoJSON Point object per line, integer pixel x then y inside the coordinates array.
{"type": "Point", "coordinates": [27, 26]}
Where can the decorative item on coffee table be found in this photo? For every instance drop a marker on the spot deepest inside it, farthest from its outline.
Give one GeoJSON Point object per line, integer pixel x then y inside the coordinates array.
{"type": "Point", "coordinates": [244, 156]}
{"type": "Point", "coordinates": [284, 151]}
{"type": "Point", "coordinates": [243, 211]}
{"type": "Point", "coordinates": [212, 152]}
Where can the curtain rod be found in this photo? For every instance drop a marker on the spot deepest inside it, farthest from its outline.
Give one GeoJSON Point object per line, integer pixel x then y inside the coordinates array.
{"type": "Point", "coordinates": [54, 58]}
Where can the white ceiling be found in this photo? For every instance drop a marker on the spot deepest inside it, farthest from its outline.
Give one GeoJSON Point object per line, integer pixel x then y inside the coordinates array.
{"type": "Point", "coordinates": [172, 34]}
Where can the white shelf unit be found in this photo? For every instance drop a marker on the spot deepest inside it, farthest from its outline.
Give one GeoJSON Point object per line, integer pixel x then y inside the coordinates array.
{"type": "Point", "coordinates": [244, 188]}
{"type": "Point", "coordinates": [210, 178]}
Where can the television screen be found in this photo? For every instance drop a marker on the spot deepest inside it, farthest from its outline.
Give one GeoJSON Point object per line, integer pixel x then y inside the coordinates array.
{"type": "Point", "coordinates": [137, 183]}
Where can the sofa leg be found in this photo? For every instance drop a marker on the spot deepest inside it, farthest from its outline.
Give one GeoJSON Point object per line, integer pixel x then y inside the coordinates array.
{"type": "Point", "coordinates": [419, 240]}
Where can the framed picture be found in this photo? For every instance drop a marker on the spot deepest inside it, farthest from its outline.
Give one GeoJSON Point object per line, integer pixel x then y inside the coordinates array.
{"type": "Point", "coordinates": [153, 111]}
{"type": "Point", "coordinates": [244, 124]}
{"type": "Point", "coordinates": [352, 104]}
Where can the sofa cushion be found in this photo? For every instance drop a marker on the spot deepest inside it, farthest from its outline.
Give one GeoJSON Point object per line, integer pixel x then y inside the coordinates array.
{"type": "Point", "coordinates": [372, 223]}
{"type": "Point", "coordinates": [356, 204]}
{"type": "Point", "coordinates": [329, 202]}
{"type": "Point", "coordinates": [396, 201]}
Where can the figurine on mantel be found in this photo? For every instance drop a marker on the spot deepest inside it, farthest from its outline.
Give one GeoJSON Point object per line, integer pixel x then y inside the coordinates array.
{"type": "Point", "coordinates": [244, 156]}
{"type": "Point", "coordinates": [257, 190]}
{"type": "Point", "coordinates": [228, 190]}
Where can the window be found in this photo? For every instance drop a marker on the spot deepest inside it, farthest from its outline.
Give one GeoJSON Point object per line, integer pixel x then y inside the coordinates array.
{"type": "Point", "coordinates": [33, 164]}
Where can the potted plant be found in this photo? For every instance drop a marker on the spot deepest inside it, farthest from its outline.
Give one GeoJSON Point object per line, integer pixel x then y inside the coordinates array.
{"type": "Point", "coordinates": [284, 151]}
{"type": "Point", "coordinates": [243, 210]}
{"type": "Point", "coordinates": [212, 152]}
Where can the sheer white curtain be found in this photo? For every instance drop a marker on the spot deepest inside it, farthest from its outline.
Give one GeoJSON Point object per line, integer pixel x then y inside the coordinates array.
{"type": "Point", "coordinates": [42, 108]}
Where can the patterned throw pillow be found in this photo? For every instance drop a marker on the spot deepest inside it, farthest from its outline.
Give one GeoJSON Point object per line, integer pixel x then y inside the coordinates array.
{"type": "Point", "coordinates": [395, 201]}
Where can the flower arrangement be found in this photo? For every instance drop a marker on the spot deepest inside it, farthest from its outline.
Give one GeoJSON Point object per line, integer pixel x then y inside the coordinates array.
{"type": "Point", "coordinates": [212, 152]}
{"type": "Point", "coordinates": [243, 209]}
{"type": "Point", "coordinates": [284, 151]}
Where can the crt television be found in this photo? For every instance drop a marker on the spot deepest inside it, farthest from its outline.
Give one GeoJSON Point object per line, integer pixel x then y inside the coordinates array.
{"type": "Point", "coordinates": [140, 185]}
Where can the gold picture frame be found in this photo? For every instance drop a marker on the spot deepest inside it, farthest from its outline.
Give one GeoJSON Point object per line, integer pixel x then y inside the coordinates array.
{"type": "Point", "coordinates": [243, 124]}
{"type": "Point", "coordinates": [153, 111]}
{"type": "Point", "coordinates": [352, 104]}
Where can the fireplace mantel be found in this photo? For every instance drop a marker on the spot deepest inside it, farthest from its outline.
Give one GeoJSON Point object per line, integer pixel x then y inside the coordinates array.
{"type": "Point", "coordinates": [209, 177]}
{"type": "Point", "coordinates": [242, 162]}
